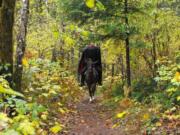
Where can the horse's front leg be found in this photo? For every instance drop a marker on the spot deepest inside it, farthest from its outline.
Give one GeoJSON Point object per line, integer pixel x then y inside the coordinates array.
{"type": "Point", "coordinates": [90, 94]}
{"type": "Point", "coordinates": [93, 91]}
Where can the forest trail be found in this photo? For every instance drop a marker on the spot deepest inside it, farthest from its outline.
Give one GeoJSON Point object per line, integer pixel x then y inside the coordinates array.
{"type": "Point", "coordinates": [91, 119]}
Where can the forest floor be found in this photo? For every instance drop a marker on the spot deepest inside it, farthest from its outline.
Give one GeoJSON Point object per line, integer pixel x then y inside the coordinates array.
{"type": "Point", "coordinates": [91, 119]}
{"type": "Point", "coordinates": [97, 119]}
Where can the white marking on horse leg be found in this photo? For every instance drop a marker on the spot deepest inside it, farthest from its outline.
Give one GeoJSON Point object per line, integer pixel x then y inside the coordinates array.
{"type": "Point", "coordinates": [90, 99]}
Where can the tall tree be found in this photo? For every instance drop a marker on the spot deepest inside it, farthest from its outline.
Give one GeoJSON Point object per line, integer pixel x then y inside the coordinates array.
{"type": "Point", "coordinates": [128, 68]}
{"type": "Point", "coordinates": [6, 37]}
{"type": "Point", "coordinates": [21, 44]}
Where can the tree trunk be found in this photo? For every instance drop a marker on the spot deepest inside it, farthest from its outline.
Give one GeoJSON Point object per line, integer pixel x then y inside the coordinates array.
{"type": "Point", "coordinates": [72, 56]}
{"type": "Point", "coordinates": [122, 67]}
{"type": "Point", "coordinates": [54, 54]}
{"type": "Point", "coordinates": [154, 43]}
{"type": "Point", "coordinates": [154, 55]}
{"type": "Point", "coordinates": [21, 45]}
{"type": "Point", "coordinates": [112, 70]}
{"type": "Point", "coordinates": [128, 68]}
{"type": "Point", "coordinates": [62, 51]}
{"type": "Point", "coordinates": [68, 58]}
{"type": "Point", "coordinates": [104, 68]}
{"type": "Point", "coordinates": [6, 37]}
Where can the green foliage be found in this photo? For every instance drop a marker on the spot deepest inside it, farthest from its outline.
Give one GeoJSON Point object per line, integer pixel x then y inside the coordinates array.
{"type": "Point", "coordinates": [143, 88]}
{"type": "Point", "coordinates": [4, 70]}
{"type": "Point", "coordinates": [117, 89]}
{"type": "Point", "coordinates": [74, 10]}
{"type": "Point", "coordinates": [25, 114]}
{"type": "Point", "coordinates": [9, 91]}
{"type": "Point", "coordinates": [112, 91]}
{"type": "Point", "coordinates": [41, 44]}
{"type": "Point", "coordinates": [168, 80]}
{"type": "Point", "coordinates": [5, 88]}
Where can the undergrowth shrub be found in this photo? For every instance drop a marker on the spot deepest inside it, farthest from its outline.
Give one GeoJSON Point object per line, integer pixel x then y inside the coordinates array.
{"type": "Point", "coordinates": [112, 87]}
{"type": "Point", "coordinates": [49, 92]}
{"type": "Point", "coordinates": [17, 116]}
{"type": "Point", "coordinates": [53, 86]}
{"type": "Point", "coordinates": [142, 88]}
{"type": "Point", "coordinates": [168, 80]}
{"type": "Point", "coordinates": [49, 80]}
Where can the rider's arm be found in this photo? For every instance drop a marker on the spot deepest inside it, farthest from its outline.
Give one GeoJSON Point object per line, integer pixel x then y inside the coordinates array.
{"type": "Point", "coordinates": [99, 56]}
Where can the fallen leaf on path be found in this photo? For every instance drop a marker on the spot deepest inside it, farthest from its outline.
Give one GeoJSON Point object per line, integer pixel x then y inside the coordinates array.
{"type": "Point", "coordinates": [57, 128]}
{"type": "Point", "coordinates": [115, 125]}
{"type": "Point", "coordinates": [121, 115]}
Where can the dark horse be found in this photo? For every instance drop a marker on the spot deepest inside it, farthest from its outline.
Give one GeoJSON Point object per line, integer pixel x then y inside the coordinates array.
{"type": "Point", "coordinates": [91, 78]}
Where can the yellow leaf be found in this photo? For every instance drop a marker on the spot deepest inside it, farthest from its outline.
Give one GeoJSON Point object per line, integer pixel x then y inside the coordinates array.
{"type": "Point", "coordinates": [62, 111]}
{"type": "Point", "coordinates": [158, 124]}
{"type": "Point", "coordinates": [177, 76]}
{"type": "Point", "coordinates": [178, 98]}
{"type": "Point", "coordinates": [85, 33]}
{"type": "Point", "coordinates": [115, 125]}
{"type": "Point", "coordinates": [26, 128]}
{"type": "Point", "coordinates": [90, 3]}
{"type": "Point", "coordinates": [44, 116]}
{"type": "Point", "coordinates": [9, 91]}
{"type": "Point", "coordinates": [45, 94]}
{"type": "Point", "coordinates": [24, 62]}
{"type": "Point", "coordinates": [35, 124]}
{"type": "Point", "coordinates": [55, 129]}
{"type": "Point", "coordinates": [146, 116]}
{"type": "Point", "coordinates": [121, 115]}
{"type": "Point", "coordinates": [52, 92]}
{"type": "Point", "coordinates": [60, 104]}
{"type": "Point", "coordinates": [68, 40]}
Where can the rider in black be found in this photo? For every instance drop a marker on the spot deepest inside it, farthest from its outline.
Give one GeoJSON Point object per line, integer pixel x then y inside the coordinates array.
{"type": "Point", "coordinates": [93, 52]}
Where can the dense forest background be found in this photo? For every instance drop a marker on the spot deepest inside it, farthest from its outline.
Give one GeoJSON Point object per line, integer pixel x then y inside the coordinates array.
{"type": "Point", "coordinates": [41, 42]}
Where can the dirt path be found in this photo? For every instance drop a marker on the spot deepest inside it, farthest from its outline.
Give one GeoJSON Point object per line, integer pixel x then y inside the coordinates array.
{"type": "Point", "coordinates": [91, 119]}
